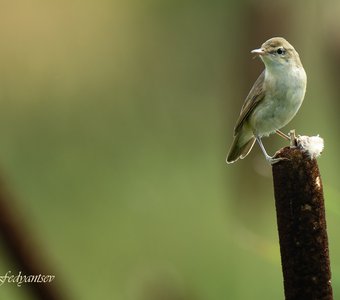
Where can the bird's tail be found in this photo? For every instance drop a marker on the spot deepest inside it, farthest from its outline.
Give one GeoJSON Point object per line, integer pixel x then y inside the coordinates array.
{"type": "Point", "coordinates": [240, 147]}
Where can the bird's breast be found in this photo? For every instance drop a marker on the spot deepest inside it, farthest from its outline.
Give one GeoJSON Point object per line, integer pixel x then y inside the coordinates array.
{"type": "Point", "coordinates": [284, 93]}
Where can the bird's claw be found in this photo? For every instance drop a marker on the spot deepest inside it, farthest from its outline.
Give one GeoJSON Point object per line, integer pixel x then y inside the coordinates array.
{"type": "Point", "coordinates": [273, 160]}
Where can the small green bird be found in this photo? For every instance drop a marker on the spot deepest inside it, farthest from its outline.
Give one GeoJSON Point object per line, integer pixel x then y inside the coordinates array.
{"type": "Point", "coordinates": [274, 99]}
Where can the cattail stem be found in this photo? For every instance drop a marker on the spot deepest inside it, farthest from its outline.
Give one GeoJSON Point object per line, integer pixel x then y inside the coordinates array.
{"type": "Point", "coordinates": [302, 226]}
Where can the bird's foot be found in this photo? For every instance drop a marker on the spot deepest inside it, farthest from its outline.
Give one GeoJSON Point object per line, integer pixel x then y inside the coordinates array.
{"type": "Point", "coordinates": [273, 160]}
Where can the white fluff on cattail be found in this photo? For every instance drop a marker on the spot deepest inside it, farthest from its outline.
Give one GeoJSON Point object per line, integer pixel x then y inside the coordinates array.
{"type": "Point", "coordinates": [313, 145]}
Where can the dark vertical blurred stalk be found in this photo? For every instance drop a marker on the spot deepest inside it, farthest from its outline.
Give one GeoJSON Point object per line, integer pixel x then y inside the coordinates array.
{"type": "Point", "coordinates": [302, 227]}
{"type": "Point", "coordinates": [22, 248]}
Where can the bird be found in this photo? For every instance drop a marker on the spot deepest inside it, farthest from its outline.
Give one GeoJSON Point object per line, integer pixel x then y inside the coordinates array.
{"type": "Point", "coordinates": [273, 101]}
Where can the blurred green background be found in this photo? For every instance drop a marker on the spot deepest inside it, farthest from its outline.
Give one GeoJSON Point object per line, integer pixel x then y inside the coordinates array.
{"type": "Point", "coordinates": [115, 120]}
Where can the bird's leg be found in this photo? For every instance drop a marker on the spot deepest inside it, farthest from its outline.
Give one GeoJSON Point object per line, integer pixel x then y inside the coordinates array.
{"type": "Point", "coordinates": [269, 159]}
{"type": "Point", "coordinates": [283, 135]}
{"type": "Point", "coordinates": [292, 138]}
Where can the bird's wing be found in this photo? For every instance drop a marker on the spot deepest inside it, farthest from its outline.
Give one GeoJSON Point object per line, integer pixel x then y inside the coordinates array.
{"type": "Point", "coordinates": [255, 95]}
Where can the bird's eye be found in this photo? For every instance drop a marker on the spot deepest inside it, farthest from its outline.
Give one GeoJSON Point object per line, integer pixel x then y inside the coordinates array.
{"type": "Point", "coordinates": [281, 51]}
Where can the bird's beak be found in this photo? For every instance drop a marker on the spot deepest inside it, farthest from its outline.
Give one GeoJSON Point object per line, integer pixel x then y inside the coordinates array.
{"type": "Point", "coordinates": [258, 52]}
